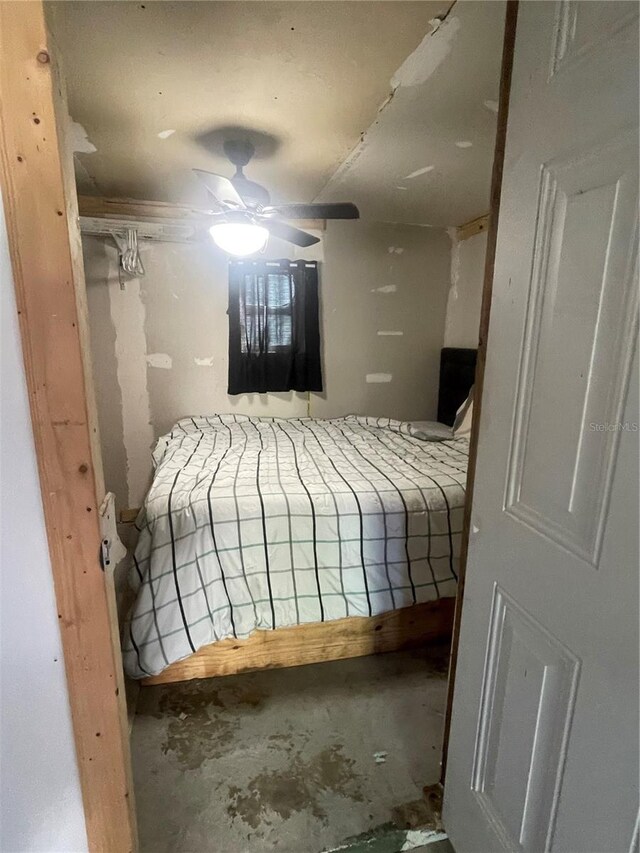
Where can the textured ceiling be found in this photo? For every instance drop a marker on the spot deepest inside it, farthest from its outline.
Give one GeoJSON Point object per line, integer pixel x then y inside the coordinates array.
{"type": "Point", "coordinates": [155, 84]}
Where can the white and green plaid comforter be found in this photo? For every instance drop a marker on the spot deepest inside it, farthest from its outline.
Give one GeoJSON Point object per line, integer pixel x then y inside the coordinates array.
{"type": "Point", "coordinates": [268, 522]}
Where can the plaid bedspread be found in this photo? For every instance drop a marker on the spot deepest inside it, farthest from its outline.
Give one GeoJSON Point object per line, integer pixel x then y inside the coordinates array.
{"type": "Point", "coordinates": [267, 522]}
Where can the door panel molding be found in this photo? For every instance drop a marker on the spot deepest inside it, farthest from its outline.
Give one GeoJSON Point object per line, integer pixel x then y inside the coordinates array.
{"type": "Point", "coordinates": [567, 501]}
{"type": "Point", "coordinates": [569, 46]}
{"type": "Point", "coordinates": [554, 684]}
{"type": "Point", "coordinates": [530, 678]}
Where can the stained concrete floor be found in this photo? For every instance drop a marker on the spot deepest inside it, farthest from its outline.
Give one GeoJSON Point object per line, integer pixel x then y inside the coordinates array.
{"type": "Point", "coordinates": [297, 760]}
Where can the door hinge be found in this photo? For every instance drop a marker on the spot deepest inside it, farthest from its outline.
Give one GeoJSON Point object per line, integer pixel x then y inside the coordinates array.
{"type": "Point", "coordinates": [112, 551]}
{"type": "Point", "coordinates": [105, 551]}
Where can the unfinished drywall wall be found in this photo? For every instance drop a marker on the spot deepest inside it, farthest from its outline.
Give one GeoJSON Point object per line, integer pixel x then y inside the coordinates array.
{"type": "Point", "coordinates": [119, 352]}
{"type": "Point", "coordinates": [465, 296]}
{"type": "Point", "coordinates": [383, 312]}
{"type": "Point", "coordinates": [160, 345]}
{"type": "Point", "coordinates": [40, 799]}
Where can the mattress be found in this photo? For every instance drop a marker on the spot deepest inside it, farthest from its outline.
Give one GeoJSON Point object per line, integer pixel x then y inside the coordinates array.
{"type": "Point", "coordinates": [260, 523]}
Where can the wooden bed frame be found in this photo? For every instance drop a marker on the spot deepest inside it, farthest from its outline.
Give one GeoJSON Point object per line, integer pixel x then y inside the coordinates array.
{"type": "Point", "coordinates": [340, 638]}
{"type": "Point", "coordinates": [410, 627]}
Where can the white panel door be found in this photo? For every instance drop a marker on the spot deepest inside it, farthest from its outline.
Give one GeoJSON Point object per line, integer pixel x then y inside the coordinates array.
{"type": "Point", "coordinates": [544, 738]}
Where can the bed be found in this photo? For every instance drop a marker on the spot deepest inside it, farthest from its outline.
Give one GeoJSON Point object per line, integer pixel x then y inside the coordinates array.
{"type": "Point", "coordinates": [342, 535]}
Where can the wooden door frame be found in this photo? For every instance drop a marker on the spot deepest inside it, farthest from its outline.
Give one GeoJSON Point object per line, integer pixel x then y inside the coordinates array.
{"type": "Point", "coordinates": [38, 189]}
{"type": "Point", "coordinates": [508, 46]}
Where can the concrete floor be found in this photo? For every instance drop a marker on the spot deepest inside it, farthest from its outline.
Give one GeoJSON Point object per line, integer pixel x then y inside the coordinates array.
{"type": "Point", "coordinates": [297, 760]}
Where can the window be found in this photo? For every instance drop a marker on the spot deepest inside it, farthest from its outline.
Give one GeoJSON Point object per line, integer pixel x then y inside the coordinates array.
{"type": "Point", "coordinates": [267, 306]}
{"type": "Point", "coordinates": [274, 336]}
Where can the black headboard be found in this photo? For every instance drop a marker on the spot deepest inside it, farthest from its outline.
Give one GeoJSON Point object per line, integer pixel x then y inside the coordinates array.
{"type": "Point", "coordinates": [457, 375]}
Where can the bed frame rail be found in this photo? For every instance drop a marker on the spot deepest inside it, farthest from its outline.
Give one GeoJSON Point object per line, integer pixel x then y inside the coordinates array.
{"type": "Point", "coordinates": [410, 627]}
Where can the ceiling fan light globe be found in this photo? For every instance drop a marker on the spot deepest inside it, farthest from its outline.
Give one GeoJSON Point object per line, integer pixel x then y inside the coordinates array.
{"type": "Point", "coordinates": [239, 238]}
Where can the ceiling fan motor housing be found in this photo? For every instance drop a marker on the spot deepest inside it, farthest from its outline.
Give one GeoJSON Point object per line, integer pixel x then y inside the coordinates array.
{"type": "Point", "coordinates": [239, 151]}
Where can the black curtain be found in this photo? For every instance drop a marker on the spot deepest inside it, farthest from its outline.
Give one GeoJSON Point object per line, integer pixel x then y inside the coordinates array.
{"type": "Point", "coordinates": [274, 330]}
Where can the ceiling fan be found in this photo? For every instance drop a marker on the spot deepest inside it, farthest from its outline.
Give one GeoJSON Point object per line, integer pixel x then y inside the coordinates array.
{"type": "Point", "coordinates": [245, 218]}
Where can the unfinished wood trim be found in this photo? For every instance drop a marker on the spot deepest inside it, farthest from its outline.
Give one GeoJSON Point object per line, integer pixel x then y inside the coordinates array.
{"type": "Point", "coordinates": [470, 229]}
{"type": "Point", "coordinates": [130, 208]}
{"type": "Point", "coordinates": [41, 212]}
{"type": "Point", "coordinates": [317, 642]}
{"type": "Point", "coordinates": [496, 187]}
{"type": "Point", "coordinates": [136, 209]}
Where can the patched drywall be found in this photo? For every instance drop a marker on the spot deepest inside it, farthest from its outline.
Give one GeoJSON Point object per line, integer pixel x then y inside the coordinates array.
{"type": "Point", "coordinates": [465, 295]}
{"type": "Point", "coordinates": [160, 345]}
{"type": "Point", "coordinates": [101, 275]}
{"type": "Point", "coordinates": [430, 53]}
{"type": "Point", "coordinates": [118, 343]}
{"type": "Point", "coordinates": [426, 157]}
{"type": "Point", "coordinates": [155, 84]}
{"type": "Point", "coordinates": [391, 105]}
{"type": "Point", "coordinates": [367, 289]}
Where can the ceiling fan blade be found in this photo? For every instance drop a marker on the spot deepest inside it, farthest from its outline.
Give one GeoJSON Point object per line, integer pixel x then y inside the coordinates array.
{"type": "Point", "coordinates": [337, 210]}
{"type": "Point", "coordinates": [220, 188]}
{"type": "Point", "coordinates": [287, 232]}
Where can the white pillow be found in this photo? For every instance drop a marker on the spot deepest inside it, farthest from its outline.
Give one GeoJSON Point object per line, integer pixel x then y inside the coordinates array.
{"type": "Point", "coordinates": [430, 431]}
{"type": "Point", "coordinates": [464, 416]}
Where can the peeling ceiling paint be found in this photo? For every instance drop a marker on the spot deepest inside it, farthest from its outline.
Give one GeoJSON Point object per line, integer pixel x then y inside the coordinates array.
{"type": "Point", "coordinates": [159, 85]}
